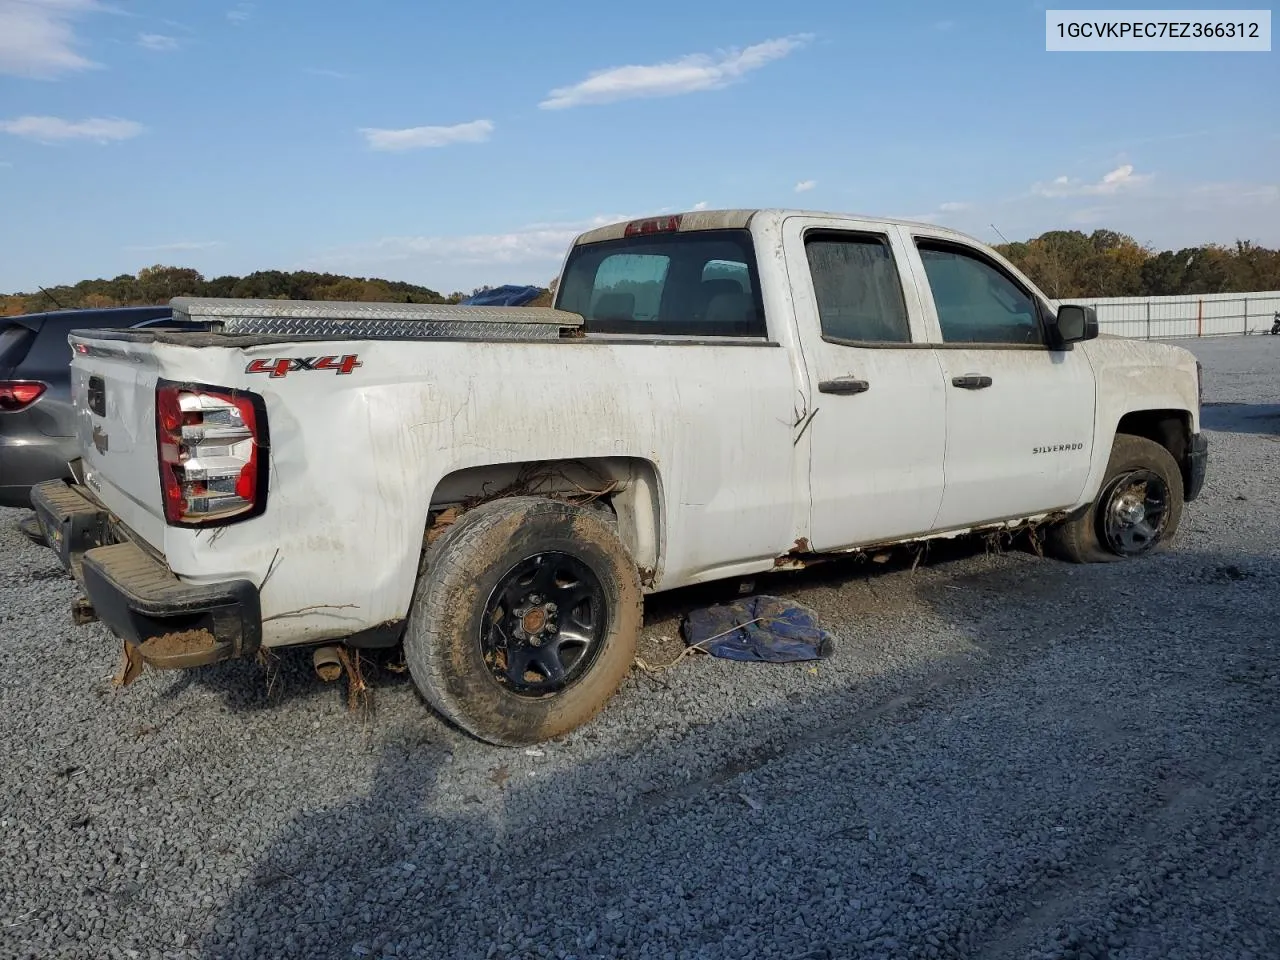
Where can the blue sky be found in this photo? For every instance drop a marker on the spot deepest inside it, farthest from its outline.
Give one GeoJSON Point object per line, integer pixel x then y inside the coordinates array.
{"type": "Point", "coordinates": [461, 144]}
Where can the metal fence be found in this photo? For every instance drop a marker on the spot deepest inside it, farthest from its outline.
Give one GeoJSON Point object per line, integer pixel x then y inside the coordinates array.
{"type": "Point", "coordinates": [1171, 318]}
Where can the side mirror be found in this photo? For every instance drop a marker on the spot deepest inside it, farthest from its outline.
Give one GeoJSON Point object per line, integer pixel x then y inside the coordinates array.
{"type": "Point", "coordinates": [1075, 323]}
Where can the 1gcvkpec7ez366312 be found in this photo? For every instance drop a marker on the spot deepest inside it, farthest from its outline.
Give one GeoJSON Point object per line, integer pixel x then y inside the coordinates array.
{"type": "Point", "coordinates": [1188, 31]}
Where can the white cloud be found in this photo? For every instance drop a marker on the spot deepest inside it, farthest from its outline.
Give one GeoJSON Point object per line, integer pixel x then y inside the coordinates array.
{"type": "Point", "coordinates": [688, 74]}
{"type": "Point", "coordinates": [1164, 213]}
{"type": "Point", "coordinates": [240, 13]}
{"type": "Point", "coordinates": [535, 243]}
{"type": "Point", "coordinates": [181, 246]}
{"type": "Point", "coordinates": [1121, 178]}
{"type": "Point", "coordinates": [56, 130]}
{"type": "Point", "coordinates": [37, 39]}
{"type": "Point", "coordinates": [157, 41]}
{"type": "Point", "coordinates": [700, 205]}
{"type": "Point", "coordinates": [805, 185]}
{"type": "Point", "coordinates": [417, 138]}
{"type": "Point", "coordinates": [942, 213]}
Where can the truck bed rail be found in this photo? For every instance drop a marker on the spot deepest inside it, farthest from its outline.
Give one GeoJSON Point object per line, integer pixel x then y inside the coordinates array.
{"type": "Point", "coordinates": [374, 320]}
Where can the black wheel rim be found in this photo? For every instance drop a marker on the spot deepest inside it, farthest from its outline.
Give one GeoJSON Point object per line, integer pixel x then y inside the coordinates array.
{"type": "Point", "coordinates": [1135, 511]}
{"type": "Point", "coordinates": [544, 624]}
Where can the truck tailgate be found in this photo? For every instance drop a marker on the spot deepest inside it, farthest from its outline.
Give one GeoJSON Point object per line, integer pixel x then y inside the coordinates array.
{"type": "Point", "coordinates": [113, 387]}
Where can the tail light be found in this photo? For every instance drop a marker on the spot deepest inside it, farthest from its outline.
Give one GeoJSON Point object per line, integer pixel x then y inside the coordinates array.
{"type": "Point", "coordinates": [17, 395]}
{"type": "Point", "coordinates": [1200, 383]}
{"type": "Point", "coordinates": [212, 448]}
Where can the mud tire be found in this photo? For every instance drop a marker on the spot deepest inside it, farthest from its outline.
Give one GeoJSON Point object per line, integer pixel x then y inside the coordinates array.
{"type": "Point", "coordinates": [1080, 539]}
{"type": "Point", "coordinates": [460, 571]}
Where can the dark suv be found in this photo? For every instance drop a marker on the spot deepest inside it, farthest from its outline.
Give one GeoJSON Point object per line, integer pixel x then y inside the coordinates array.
{"type": "Point", "coordinates": [37, 420]}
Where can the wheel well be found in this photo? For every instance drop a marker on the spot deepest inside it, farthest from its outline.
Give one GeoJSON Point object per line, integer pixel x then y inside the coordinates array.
{"type": "Point", "coordinates": [1169, 428]}
{"type": "Point", "coordinates": [627, 488]}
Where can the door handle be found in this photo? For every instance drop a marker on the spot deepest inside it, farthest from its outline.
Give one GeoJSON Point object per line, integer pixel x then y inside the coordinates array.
{"type": "Point", "coordinates": [844, 385]}
{"type": "Point", "coordinates": [971, 381]}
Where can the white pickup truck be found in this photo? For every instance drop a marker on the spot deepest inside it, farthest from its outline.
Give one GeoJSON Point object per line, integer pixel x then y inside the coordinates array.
{"type": "Point", "coordinates": [714, 394]}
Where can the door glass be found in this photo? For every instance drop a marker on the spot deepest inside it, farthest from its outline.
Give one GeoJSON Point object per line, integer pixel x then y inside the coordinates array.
{"type": "Point", "coordinates": [856, 284]}
{"type": "Point", "coordinates": [977, 303]}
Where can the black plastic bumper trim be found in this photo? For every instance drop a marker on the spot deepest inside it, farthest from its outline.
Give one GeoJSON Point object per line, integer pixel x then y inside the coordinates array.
{"type": "Point", "coordinates": [1196, 467]}
{"type": "Point", "coordinates": [70, 521]}
{"type": "Point", "coordinates": [173, 623]}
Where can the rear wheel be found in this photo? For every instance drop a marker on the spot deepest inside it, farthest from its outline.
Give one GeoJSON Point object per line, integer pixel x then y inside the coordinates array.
{"type": "Point", "coordinates": [525, 619]}
{"type": "Point", "coordinates": [1138, 508]}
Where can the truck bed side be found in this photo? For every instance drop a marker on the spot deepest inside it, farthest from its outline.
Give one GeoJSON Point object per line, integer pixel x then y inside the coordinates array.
{"type": "Point", "coordinates": [357, 460]}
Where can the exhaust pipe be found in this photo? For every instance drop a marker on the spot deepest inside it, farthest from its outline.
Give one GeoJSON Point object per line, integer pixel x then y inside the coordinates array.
{"type": "Point", "coordinates": [328, 663]}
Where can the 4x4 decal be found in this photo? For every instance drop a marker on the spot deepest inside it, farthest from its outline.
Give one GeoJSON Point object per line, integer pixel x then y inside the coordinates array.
{"type": "Point", "coordinates": [284, 365]}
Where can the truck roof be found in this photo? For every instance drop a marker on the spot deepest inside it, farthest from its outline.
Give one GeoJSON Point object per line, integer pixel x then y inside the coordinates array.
{"type": "Point", "coordinates": [737, 219]}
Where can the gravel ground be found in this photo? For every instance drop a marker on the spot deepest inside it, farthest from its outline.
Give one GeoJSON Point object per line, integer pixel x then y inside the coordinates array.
{"type": "Point", "coordinates": [1006, 758]}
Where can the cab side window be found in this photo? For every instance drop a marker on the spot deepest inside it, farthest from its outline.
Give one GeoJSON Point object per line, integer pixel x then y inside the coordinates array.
{"type": "Point", "coordinates": [857, 287]}
{"type": "Point", "coordinates": [976, 302]}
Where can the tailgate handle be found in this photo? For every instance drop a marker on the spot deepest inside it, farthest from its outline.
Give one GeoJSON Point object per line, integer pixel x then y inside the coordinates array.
{"type": "Point", "coordinates": [844, 385]}
{"type": "Point", "coordinates": [971, 381]}
{"type": "Point", "coordinates": [97, 396]}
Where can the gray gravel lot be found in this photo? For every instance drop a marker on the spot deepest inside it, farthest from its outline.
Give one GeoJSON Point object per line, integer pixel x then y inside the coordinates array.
{"type": "Point", "coordinates": [1006, 758]}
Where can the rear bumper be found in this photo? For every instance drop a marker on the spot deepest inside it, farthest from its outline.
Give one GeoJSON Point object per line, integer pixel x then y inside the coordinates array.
{"type": "Point", "coordinates": [173, 624]}
{"type": "Point", "coordinates": [1196, 466]}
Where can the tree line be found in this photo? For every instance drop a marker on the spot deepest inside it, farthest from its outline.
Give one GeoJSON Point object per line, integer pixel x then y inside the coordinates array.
{"type": "Point", "coordinates": [159, 284]}
{"type": "Point", "coordinates": [1069, 263]}
{"type": "Point", "coordinates": [1063, 263]}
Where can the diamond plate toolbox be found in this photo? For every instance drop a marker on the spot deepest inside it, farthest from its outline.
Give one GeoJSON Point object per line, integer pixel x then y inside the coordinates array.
{"type": "Point", "coordinates": [376, 320]}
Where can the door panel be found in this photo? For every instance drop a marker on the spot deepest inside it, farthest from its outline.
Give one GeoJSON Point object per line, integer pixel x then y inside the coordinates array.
{"type": "Point", "coordinates": [1021, 445]}
{"type": "Point", "coordinates": [1019, 416]}
{"type": "Point", "coordinates": [877, 431]}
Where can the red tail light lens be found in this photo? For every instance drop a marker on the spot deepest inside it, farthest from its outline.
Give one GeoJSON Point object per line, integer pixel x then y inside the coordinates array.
{"type": "Point", "coordinates": [211, 445]}
{"type": "Point", "coordinates": [16, 395]}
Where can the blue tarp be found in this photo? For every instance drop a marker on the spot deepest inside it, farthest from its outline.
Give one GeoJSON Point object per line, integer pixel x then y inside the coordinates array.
{"type": "Point", "coordinates": [784, 631]}
{"type": "Point", "coordinates": [508, 295]}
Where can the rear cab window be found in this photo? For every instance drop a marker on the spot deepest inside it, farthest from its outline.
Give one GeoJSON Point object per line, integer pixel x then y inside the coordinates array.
{"type": "Point", "coordinates": [698, 284]}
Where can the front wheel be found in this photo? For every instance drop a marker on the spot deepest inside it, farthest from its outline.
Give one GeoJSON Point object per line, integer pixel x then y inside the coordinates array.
{"type": "Point", "coordinates": [1138, 508]}
{"type": "Point", "coordinates": [525, 619]}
